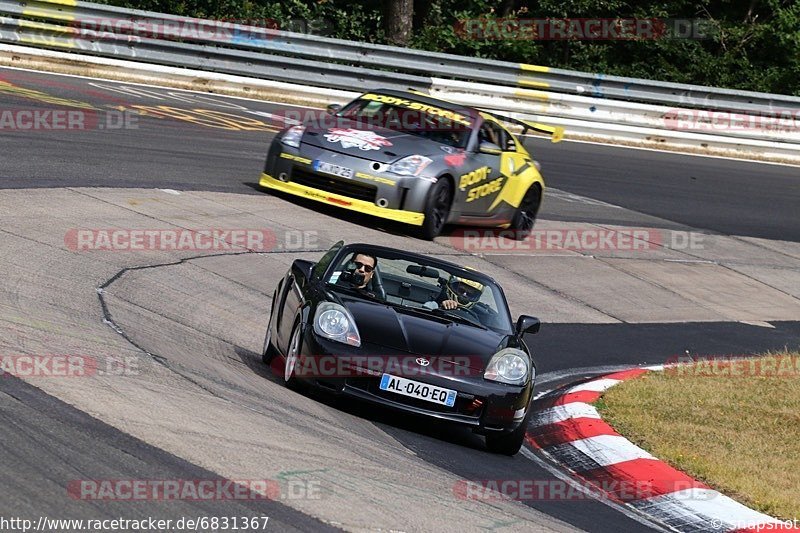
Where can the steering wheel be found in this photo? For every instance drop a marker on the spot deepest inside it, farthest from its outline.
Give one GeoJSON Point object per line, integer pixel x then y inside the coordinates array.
{"type": "Point", "coordinates": [465, 310]}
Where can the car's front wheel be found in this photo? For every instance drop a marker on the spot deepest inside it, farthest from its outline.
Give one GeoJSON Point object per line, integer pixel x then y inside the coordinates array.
{"type": "Point", "coordinates": [437, 209]}
{"type": "Point", "coordinates": [525, 216]}
{"type": "Point", "coordinates": [292, 356]}
{"type": "Point", "coordinates": [508, 443]}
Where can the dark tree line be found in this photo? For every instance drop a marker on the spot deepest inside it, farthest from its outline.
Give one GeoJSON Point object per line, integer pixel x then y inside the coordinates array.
{"type": "Point", "coordinates": [745, 44]}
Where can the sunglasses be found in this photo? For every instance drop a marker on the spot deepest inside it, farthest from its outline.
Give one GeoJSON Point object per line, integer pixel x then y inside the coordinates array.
{"type": "Point", "coordinates": [360, 265]}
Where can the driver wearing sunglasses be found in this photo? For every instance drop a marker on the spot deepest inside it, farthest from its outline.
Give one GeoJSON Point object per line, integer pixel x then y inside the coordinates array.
{"type": "Point", "coordinates": [364, 266]}
{"type": "Point", "coordinates": [358, 273]}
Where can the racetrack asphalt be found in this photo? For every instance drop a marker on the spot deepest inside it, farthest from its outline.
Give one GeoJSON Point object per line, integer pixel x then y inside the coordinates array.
{"type": "Point", "coordinates": [720, 195]}
{"type": "Point", "coordinates": [716, 195]}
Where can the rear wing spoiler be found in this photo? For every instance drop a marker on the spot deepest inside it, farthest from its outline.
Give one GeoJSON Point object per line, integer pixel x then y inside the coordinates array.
{"type": "Point", "coordinates": [556, 132]}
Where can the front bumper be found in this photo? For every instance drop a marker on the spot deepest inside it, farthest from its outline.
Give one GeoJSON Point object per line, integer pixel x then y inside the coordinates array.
{"type": "Point", "coordinates": [501, 407]}
{"type": "Point", "coordinates": [362, 206]}
{"type": "Point", "coordinates": [369, 191]}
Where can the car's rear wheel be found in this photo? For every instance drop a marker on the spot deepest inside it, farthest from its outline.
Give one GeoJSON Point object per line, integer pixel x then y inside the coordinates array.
{"type": "Point", "coordinates": [525, 217]}
{"type": "Point", "coordinates": [292, 356]}
{"type": "Point", "coordinates": [437, 209]}
{"type": "Point", "coordinates": [508, 443]}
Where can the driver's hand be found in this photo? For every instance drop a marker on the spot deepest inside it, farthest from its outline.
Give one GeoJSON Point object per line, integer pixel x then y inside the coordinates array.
{"type": "Point", "coordinates": [449, 304]}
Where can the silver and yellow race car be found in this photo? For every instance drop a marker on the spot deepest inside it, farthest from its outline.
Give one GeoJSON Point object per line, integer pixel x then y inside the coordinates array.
{"type": "Point", "coordinates": [407, 157]}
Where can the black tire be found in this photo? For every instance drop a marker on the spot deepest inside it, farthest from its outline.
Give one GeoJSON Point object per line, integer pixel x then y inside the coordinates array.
{"type": "Point", "coordinates": [268, 352]}
{"type": "Point", "coordinates": [292, 353]}
{"type": "Point", "coordinates": [437, 208]}
{"type": "Point", "coordinates": [509, 443]}
{"type": "Point", "coordinates": [525, 216]}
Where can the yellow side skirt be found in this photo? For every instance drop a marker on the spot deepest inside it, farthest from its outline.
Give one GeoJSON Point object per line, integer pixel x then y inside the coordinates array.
{"type": "Point", "coordinates": [362, 206]}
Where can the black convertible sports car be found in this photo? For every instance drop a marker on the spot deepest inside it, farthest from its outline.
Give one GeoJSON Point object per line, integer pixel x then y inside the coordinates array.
{"type": "Point", "coordinates": [409, 332]}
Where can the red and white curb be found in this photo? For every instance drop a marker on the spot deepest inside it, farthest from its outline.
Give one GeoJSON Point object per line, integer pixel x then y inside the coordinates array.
{"type": "Point", "coordinates": [570, 431]}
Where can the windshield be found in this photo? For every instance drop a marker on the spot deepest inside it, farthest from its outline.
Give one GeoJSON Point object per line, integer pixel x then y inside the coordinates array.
{"type": "Point", "coordinates": [443, 126]}
{"type": "Point", "coordinates": [419, 286]}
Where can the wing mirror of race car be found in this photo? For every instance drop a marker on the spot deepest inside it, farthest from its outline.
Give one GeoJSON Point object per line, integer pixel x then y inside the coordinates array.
{"type": "Point", "coordinates": [332, 109]}
{"type": "Point", "coordinates": [490, 148]}
{"type": "Point", "coordinates": [528, 324]}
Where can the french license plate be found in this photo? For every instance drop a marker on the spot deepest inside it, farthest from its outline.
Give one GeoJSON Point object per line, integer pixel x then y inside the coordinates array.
{"type": "Point", "coordinates": [330, 168]}
{"type": "Point", "coordinates": [415, 389]}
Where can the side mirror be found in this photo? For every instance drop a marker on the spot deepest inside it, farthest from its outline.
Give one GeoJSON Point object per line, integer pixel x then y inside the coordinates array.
{"type": "Point", "coordinates": [489, 148]}
{"type": "Point", "coordinates": [528, 324]}
{"type": "Point", "coordinates": [332, 109]}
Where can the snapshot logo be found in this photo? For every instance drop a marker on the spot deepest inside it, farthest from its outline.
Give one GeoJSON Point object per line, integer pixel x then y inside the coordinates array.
{"type": "Point", "coordinates": [574, 239]}
{"type": "Point", "coordinates": [57, 119]}
{"type": "Point", "coordinates": [774, 120]}
{"type": "Point", "coordinates": [225, 30]}
{"type": "Point", "coordinates": [212, 239]}
{"type": "Point", "coordinates": [193, 489]}
{"type": "Point", "coordinates": [730, 366]}
{"type": "Point", "coordinates": [349, 366]}
{"type": "Point", "coordinates": [583, 29]}
{"type": "Point", "coordinates": [66, 366]}
{"type": "Point", "coordinates": [559, 490]}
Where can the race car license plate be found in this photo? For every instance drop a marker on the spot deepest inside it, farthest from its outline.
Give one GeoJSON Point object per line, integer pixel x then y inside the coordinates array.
{"type": "Point", "coordinates": [415, 389]}
{"type": "Point", "coordinates": [330, 168]}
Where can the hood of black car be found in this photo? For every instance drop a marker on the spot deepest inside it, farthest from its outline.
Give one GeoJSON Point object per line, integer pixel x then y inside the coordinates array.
{"type": "Point", "coordinates": [421, 334]}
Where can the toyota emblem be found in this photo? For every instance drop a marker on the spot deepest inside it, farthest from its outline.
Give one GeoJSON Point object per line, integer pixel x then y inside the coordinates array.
{"type": "Point", "coordinates": [421, 361]}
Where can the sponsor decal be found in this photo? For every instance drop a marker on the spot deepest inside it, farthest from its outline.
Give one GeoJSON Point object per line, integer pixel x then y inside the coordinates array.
{"type": "Point", "coordinates": [418, 106]}
{"type": "Point", "coordinates": [456, 158]}
{"type": "Point", "coordinates": [486, 189]}
{"type": "Point", "coordinates": [376, 179]}
{"type": "Point", "coordinates": [361, 139]}
{"type": "Point", "coordinates": [474, 177]}
{"type": "Point", "coordinates": [473, 181]}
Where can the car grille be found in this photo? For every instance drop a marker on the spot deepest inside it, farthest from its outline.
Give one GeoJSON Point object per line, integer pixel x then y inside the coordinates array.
{"type": "Point", "coordinates": [461, 407]}
{"type": "Point", "coordinates": [345, 187]}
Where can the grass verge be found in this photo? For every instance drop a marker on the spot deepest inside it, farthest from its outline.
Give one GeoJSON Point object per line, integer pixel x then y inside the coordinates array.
{"type": "Point", "coordinates": [733, 425]}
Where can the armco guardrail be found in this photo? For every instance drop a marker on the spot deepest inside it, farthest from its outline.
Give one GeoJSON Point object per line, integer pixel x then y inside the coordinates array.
{"type": "Point", "coordinates": [608, 106]}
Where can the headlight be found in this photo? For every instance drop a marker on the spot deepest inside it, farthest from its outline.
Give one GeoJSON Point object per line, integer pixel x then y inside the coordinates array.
{"type": "Point", "coordinates": [334, 322]}
{"type": "Point", "coordinates": [293, 135]}
{"type": "Point", "coordinates": [509, 365]}
{"type": "Point", "coordinates": [412, 165]}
